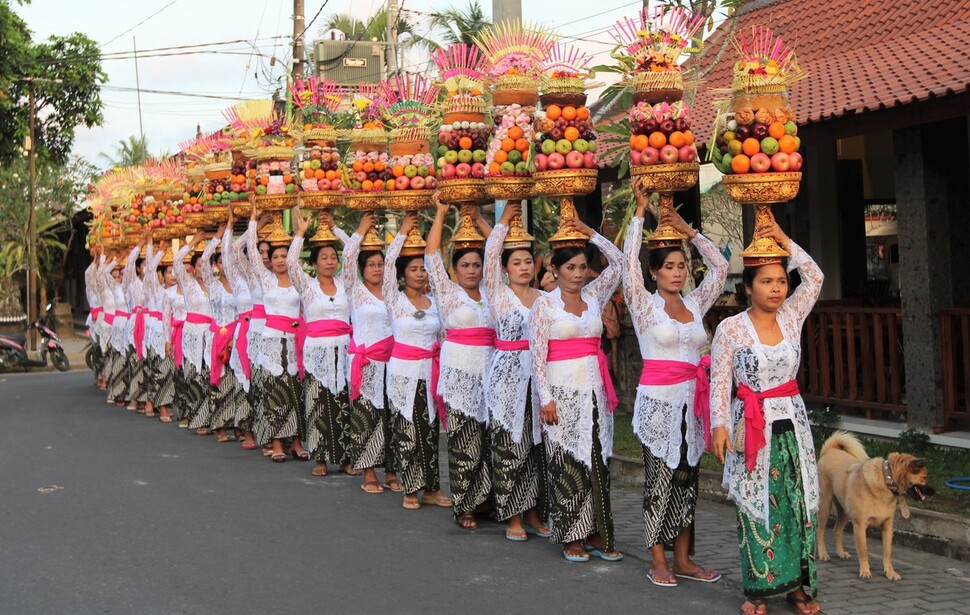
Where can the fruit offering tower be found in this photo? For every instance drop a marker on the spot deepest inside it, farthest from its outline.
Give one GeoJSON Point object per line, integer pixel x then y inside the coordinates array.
{"type": "Point", "coordinates": [464, 132]}
{"type": "Point", "coordinates": [514, 55]}
{"type": "Point", "coordinates": [755, 135]}
{"type": "Point", "coordinates": [663, 157]}
{"type": "Point", "coordinates": [566, 165]}
{"type": "Point", "coordinates": [408, 106]}
{"type": "Point", "coordinates": [364, 170]}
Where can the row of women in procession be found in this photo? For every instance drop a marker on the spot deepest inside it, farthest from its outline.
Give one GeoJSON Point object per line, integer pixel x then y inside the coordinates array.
{"type": "Point", "coordinates": [359, 368]}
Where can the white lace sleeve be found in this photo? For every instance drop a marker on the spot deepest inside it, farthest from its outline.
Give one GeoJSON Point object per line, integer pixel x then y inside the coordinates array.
{"type": "Point", "coordinates": [128, 276]}
{"type": "Point", "coordinates": [710, 289]}
{"type": "Point", "coordinates": [153, 287]}
{"type": "Point", "coordinates": [351, 249]}
{"type": "Point", "coordinates": [181, 275]}
{"type": "Point", "coordinates": [636, 294]}
{"type": "Point", "coordinates": [722, 376]}
{"type": "Point", "coordinates": [493, 284]}
{"type": "Point", "coordinates": [444, 290]}
{"type": "Point", "coordinates": [801, 302]}
{"type": "Point", "coordinates": [205, 263]}
{"type": "Point", "coordinates": [301, 281]}
{"type": "Point", "coordinates": [389, 283]}
{"type": "Point", "coordinates": [539, 323]}
{"type": "Point", "coordinates": [605, 285]}
{"type": "Point", "coordinates": [258, 274]}
{"type": "Point", "coordinates": [166, 316]}
{"type": "Point", "coordinates": [229, 267]}
{"type": "Point", "coordinates": [341, 235]}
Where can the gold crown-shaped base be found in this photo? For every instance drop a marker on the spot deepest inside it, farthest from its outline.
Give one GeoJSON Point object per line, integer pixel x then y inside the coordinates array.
{"type": "Point", "coordinates": [321, 199]}
{"type": "Point", "coordinates": [275, 202]}
{"type": "Point", "coordinates": [243, 209]}
{"type": "Point", "coordinates": [276, 235]}
{"type": "Point", "coordinates": [763, 250]}
{"type": "Point", "coordinates": [467, 236]}
{"type": "Point", "coordinates": [509, 188]}
{"type": "Point", "coordinates": [371, 241]}
{"type": "Point", "coordinates": [566, 237]}
{"type": "Point", "coordinates": [462, 191]}
{"type": "Point", "coordinates": [675, 177]}
{"type": "Point", "coordinates": [194, 219]}
{"type": "Point", "coordinates": [414, 244]}
{"type": "Point", "coordinates": [517, 237]}
{"type": "Point", "coordinates": [324, 234]}
{"type": "Point", "coordinates": [409, 200]}
{"type": "Point", "coordinates": [565, 182]}
{"type": "Point", "coordinates": [756, 188]}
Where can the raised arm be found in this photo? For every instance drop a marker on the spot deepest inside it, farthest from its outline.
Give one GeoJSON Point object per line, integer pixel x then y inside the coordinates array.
{"type": "Point", "coordinates": [129, 274]}
{"type": "Point", "coordinates": [258, 273]}
{"type": "Point", "coordinates": [712, 285]}
{"type": "Point", "coordinates": [493, 284]}
{"type": "Point", "coordinates": [389, 283]}
{"type": "Point", "coordinates": [205, 262]}
{"type": "Point", "coordinates": [301, 281]}
{"type": "Point", "coordinates": [539, 324]}
{"type": "Point", "coordinates": [636, 294]}
{"type": "Point", "coordinates": [605, 285]}
{"type": "Point", "coordinates": [352, 249]}
{"type": "Point", "coordinates": [801, 302]}
{"type": "Point", "coordinates": [181, 275]}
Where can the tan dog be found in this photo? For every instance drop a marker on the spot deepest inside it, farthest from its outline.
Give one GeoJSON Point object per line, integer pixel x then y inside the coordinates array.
{"type": "Point", "coordinates": [866, 492]}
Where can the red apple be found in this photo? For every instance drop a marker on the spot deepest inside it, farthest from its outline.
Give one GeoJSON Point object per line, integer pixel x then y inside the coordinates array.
{"type": "Point", "coordinates": [417, 182]}
{"type": "Point", "coordinates": [463, 169]}
{"type": "Point", "coordinates": [780, 162]}
{"type": "Point", "coordinates": [402, 183]}
{"type": "Point", "coordinates": [542, 162]}
{"type": "Point", "coordinates": [760, 162]}
{"type": "Point", "coordinates": [687, 153]}
{"type": "Point", "coordinates": [589, 160]}
{"type": "Point", "coordinates": [448, 172]}
{"type": "Point", "coordinates": [574, 160]}
{"type": "Point", "coordinates": [635, 157]}
{"type": "Point", "coordinates": [556, 161]}
{"type": "Point", "coordinates": [478, 169]}
{"type": "Point", "coordinates": [669, 154]}
{"type": "Point", "coordinates": [651, 155]}
{"type": "Point", "coordinates": [430, 182]}
{"type": "Point", "coordinates": [794, 161]}
{"type": "Point", "coordinates": [179, 219]}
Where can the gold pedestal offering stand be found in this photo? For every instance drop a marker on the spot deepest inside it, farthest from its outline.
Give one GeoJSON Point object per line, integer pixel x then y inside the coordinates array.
{"type": "Point", "coordinates": [463, 192]}
{"type": "Point", "coordinates": [762, 190]}
{"type": "Point", "coordinates": [321, 201]}
{"type": "Point", "coordinates": [666, 179]}
{"type": "Point", "coordinates": [565, 185]}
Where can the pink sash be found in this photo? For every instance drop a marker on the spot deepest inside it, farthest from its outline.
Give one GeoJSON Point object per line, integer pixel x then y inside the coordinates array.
{"type": "Point", "coordinates": [511, 345]}
{"type": "Point", "coordinates": [754, 416]}
{"type": "Point", "coordinates": [363, 354]}
{"type": "Point", "coordinates": [413, 353]}
{"type": "Point", "coordinates": [221, 339]}
{"type": "Point", "coordinates": [139, 331]}
{"type": "Point", "coordinates": [578, 348]}
{"type": "Point", "coordinates": [657, 372]}
{"type": "Point", "coordinates": [109, 318]}
{"type": "Point", "coordinates": [178, 327]}
{"type": "Point", "coordinates": [471, 336]}
{"type": "Point", "coordinates": [95, 313]}
{"type": "Point", "coordinates": [121, 314]}
{"type": "Point", "coordinates": [320, 328]}
{"type": "Point", "coordinates": [296, 326]}
{"type": "Point", "coordinates": [242, 345]}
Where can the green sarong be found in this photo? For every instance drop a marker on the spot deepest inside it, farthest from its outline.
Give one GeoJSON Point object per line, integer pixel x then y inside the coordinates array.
{"type": "Point", "coordinates": [780, 560]}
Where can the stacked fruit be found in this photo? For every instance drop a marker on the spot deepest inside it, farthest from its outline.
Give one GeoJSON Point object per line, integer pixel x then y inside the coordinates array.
{"type": "Point", "coordinates": [321, 169]}
{"type": "Point", "coordinates": [365, 170]}
{"type": "Point", "coordinates": [461, 150]}
{"type": "Point", "coordinates": [566, 138]}
{"type": "Point", "coordinates": [224, 188]}
{"type": "Point", "coordinates": [275, 177]}
{"type": "Point", "coordinates": [146, 211]}
{"type": "Point", "coordinates": [661, 134]}
{"type": "Point", "coordinates": [511, 145]}
{"type": "Point", "coordinates": [411, 172]}
{"type": "Point", "coordinates": [758, 141]}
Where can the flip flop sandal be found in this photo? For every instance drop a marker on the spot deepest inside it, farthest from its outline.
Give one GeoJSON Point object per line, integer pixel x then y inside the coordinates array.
{"type": "Point", "coordinates": [440, 500]}
{"type": "Point", "coordinates": [372, 487]}
{"type": "Point", "coordinates": [394, 485]}
{"type": "Point", "coordinates": [603, 556]}
{"type": "Point", "coordinates": [278, 457]}
{"type": "Point", "coordinates": [249, 446]}
{"type": "Point", "coordinates": [222, 438]}
{"type": "Point", "coordinates": [654, 576]}
{"type": "Point", "coordinates": [807, 600]}
{"type": "Point", "coordinates": [164, 419]}
{"type": "Point", "coordinates": [516, 537]}
{"type": "Point", "coordinates": [757, 603]}
{"type": "Point", "coordinates": [320, 472]}
{"type": "Point", "coordinates": [535, 532]}
{"type": "Point", "coordinates": [351, 472]}
{"type": "Point", "coordinates": [411, 505]}
{"type": "Point", "coordinates": [696, 576]}
{"type": "Point", "coordinates": [574, 557]}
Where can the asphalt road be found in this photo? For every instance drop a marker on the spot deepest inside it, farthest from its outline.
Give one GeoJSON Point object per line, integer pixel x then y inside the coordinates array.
{"type": "Point", "coordinates": [105, 511]}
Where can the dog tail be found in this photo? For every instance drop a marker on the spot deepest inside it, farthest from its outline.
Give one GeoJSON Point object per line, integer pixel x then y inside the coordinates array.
{"type": "Point", "coordinates": [846, 442]}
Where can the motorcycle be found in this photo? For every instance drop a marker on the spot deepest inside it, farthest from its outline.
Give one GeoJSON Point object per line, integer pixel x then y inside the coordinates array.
{"type": "Point", "coordinates": [13, 347]}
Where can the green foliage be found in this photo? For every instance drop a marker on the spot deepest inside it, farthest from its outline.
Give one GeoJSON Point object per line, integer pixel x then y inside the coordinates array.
{"type": "Point", "coordinates": [825, 421]}
{"type": "Point", "coordinates": [452, 26]}
{"type": "Point", "coordinates": [913, 440]}
{"type": "Point", "coordinates": [128, 153]}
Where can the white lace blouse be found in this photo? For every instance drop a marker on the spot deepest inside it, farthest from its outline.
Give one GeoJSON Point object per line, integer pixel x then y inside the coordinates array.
{"type": "Point", "coordinates": [279, 301]}
{"type": "Point", "coordinates": [154, 334]}
{"type": "Point", "coordinates": [194, 335]}
{"type": "Point", "coordinates": [120, 325]}
{"type": "Point", "coordinates": [575, 384]}
{"type": "Point", "coordinates": [235, 272]}
{"type": "Point", "coordinates": [461, 383]}
{"type": "Point", "coordinates": [738, 356]}
{"type": "Point", "coordinates": [133, 289]}
{"type": "Point", "coordinates": [509, 371]}
{"type": "Point", "coordinates": [106, 290]}
{"type": "Point", "coordinates": [222, 304]}
{"type": "Point", "coordinates": [91, 292]}
{"type": "Point", "coordinates": [403, 376]}
{"type": "Point", "coordinates": [323, 357]}
{"type": "Point", "coordinates": [372, 323]}
{"type": "Point", "coordinates": [173, 308]}
{"type": "Point", "coordinates": [658, 410]}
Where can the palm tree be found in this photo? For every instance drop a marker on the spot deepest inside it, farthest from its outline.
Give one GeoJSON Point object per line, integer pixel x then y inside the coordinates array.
{"type": "Point", "coordinates": [373, 30]}
{"type": "Point", "coordinates": [452, 26]}
{"type": "Point", "coordinates": [128, 153]}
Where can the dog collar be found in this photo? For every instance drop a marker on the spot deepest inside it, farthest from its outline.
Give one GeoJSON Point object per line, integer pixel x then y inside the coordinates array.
{"type": "Point", "coordinates": [889, 477]}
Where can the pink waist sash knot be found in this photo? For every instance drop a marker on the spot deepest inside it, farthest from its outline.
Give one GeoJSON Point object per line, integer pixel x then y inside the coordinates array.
{"type": "Point", "coordinates": [139, 331]}
{"type": "Point", "coordinates": [296, 326]}
{"type": "Point", "coordinates": [321, 328]}
{"type": "Point", "coordinates": [754, 416]}
{"type": "Point", "coordinates": [178, 327]}
{"type": "Point", "coordinates": [221, 340]}
{"type": "Point", "coordinates": [414, 353]}
{"type": "Point", "coordinates": [578, 348]}
{"type": "Point", "coordinates": [658, 372]}
{"type": "Point", "coordinates": [364, 354]}
{"type": "Point", "coordinates": [471, 336]}
{"type": "Point", "coordinates": [511, 345]}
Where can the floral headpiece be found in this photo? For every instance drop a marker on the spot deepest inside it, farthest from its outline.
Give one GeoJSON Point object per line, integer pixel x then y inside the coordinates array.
{"type": "Point", "coordinates": [767, 64]}
{"type": "Point", "coordinates": [407, 104]}
{"type": "Point", "coordinates": [463, 78]}
{"type": "Point", "coordinates": [515, 53]}
{"type": "Point", "coordinates": [654, 43]}
{"type": "Point", "coordinates": [566, 69]}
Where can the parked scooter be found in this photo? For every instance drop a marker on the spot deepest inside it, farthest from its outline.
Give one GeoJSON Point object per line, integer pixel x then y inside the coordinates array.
{"type": "Point", "coordinates": [13, 347]}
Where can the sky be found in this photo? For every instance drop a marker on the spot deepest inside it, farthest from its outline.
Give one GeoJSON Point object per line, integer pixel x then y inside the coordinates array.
{"type": "Point", "coordinates": [263, 29]}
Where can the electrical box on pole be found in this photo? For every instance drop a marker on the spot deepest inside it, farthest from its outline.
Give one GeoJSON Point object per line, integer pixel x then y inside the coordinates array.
{"type": "Point", "coordinates": [349, 62]}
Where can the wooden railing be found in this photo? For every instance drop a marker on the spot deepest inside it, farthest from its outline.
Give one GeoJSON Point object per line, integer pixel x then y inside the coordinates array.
{"type": "Point", "coordinates": [955, 348]}
{"type": "Point", "coordinates": [852, 356]}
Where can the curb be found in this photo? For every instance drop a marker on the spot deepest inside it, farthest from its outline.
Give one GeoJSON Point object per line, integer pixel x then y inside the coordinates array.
{"type": "Point", "coordinates": [929, 531]}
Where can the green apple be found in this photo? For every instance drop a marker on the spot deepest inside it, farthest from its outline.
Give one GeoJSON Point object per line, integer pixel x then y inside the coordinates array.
{"type": "Point", "coordinates": [515, 156]}
{"type": "Point", "coordinates": [464, 156]}
{"type": "Point", "coordinates": [442, 150]}
{"type": "Point", "coordinates": [564, 146]}
{"type": "Point", "coordinates": [290, 188]}
{"type": "Point", "coordinates": [521, 167]}
{"type": "Point", "coordinates": [508, 168]}
{"type": "Point", "coordinates": [451, 156]}
{"type": "Point", "coordinates": [581, 145]}
{"type": "Point", "coordinates": [769, 145]}
{"type": "Point", "coordinates": [548, 146]}
{"type": "Point", "coordinates": [791, 128]}
{"type": "Point", "coordinates": [315, 164]}
{"type": "Point", "coordinates": [260, 190]}
{"type": "Point", "coordinates": [410, 170]}
{"type": "Point", "coordinates": [423, 171]}
{"type": "Point", "coordinates": [479, 155]}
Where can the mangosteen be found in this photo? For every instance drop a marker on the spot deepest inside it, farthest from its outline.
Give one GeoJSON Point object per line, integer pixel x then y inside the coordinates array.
{"type": "Point", "coordinates": [759, 131]}
{"type": "Point", "coordinates": [667, 127]}
{"type": "Point", "coordinates": [556, 133]}
{"type": "Point", "coordinates": [742, 132]}
{"type": "Point", "coordinates": [372, 176]}
{"type": "Point", "coordinates": [650, 126]}
{"type": "Point", "coordinates": [720, 140]}
{"type": "Point", "coordinates": [723, 148]}
{"type": "Point", "coordinates": [680, 124]}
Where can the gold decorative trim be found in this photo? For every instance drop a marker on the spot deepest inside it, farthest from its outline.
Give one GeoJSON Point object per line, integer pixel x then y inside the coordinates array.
{"type": "Point", "coordinates": [565, 182]}
{"type": "Point", "coordinates": [409, 200]}
{"type": "Point", "coordinates": [509, 188]}
{"type": "Point", "coordinates": [462, 191]}
{"type": "Point", "coordinates": [322, 199]}
{"type": "Point", "coordinates": [274, 202]}
{"type": "Point", "coordinates": [762, 188]}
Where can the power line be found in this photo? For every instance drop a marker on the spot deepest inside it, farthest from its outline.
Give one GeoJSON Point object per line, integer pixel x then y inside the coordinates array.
{"type": "Point", "coordinates": [139, 23]}
{"type": "Point", "coordinates": [117, 88]}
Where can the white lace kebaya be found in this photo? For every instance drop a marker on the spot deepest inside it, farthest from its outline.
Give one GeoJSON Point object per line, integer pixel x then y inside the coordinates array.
{"type": "Point", "coordinates": [279, 301]}
{"type": "Point", "coordinates": [658, 410]}
{"type": "Point", "coordinates": [235, 272]}
{"type": "Point", "coordinates": [414, 327]}
{"type": "Point", "coordinates": [318, 352]}
{"type": "Point", "coordinates": [509, 371]}
{"type": "Point", "coordinates": [461, 383]}
{"type": "Point", "coordinates": [154, 335]}
{"type": "Point", "coordinates": [372, 322]}
{"type": "Point", "coordinates": [196, 302]}
{"type": "Point", "coordinates": [575, 384]}
{"type": "Point", "coordinates": [738, 356]}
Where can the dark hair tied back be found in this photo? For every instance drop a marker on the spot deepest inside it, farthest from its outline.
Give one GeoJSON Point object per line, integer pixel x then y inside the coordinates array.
{"type": "Point", "coordinates": [656, 258]}
{"type": "Point", "coordinates": [363, 257]}
{"type": "Point", "coordinates": [457, 255]}
{"type": "Point", "coordinates": [507, 254]}
{"type": "Point", "coordinates": [561, 256]}
{"type": "Point", "coordinates": [402, 263]}
{"type": "Point", "coordinates": [750, 273]}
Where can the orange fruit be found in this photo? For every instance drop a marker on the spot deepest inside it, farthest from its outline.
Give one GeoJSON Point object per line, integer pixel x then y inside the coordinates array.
{"type": "Point", "coordinates": [525, 156]}
{"type": "Point", "coordinates": [358, 166]}
{"type": "Point", "coordinates": [657, 140]}
{"type": "Point", "coordinates": [495, 168]}
{"type": "Point", "coordinates": [787, 144]}
{"type": "Point", "coordinates": [751, 146]}
{"type": "Point", "coordinates": [308, 127]}
{"type": "Point", "coordinates": [264, 180]}
{"type": "Point", "coordinates": [398, 170]}
{"type": "Point", "coordinates": [640, 142]}
{"type": "Point", "coordinates": [569, 113]}
{"type": "Point", "coordinates": [522, 144]}
{"type": "Point", "coordinates": [287, 179]}
{"type": "Point", "coordinates": [571, 133]}
{"type": "Point", "coordinates": [689, 136]}
{"type": "Point", "coordinates": [379, 166]}
{"type": "Point", "coordinates": [508, 145]}
{"type": "Point", "coordinates": [308, 174]}
{"type": "Point", "coordinates": [677, 139]}
{"type": "Point", "coordinates": [368, 167]}
{"type": "Point", "coordinates": [633, 142]}
{"type": "Point", "coordinates": [582, 113]}
{"type": "Point", "coordinates": [740, 164]}
{"type": "Point", "coordinates": [776, 130]}
{"type": "Point", "coordinates": [319, 174]}
{"type": "Point", "coordinates": [390, 186]}
{"type": "Point", "coordinates": [331, 175]}
{"type": "Point", "coordinates": [515, 133]}
{"type": "Point", "coordinates": [501, 156]}
{"type": "Point", "coordinates": [366, 185]}
{"type": "Point", "coordinates": [553, 112]}
{"type": "Point", "coordinates": [465, 143]}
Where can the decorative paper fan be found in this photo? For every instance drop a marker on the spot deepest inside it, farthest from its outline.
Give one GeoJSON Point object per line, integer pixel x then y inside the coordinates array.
{"type": "Point", "coordinates": [515, 52]}
{"type": "Point", "coordinates": [650, 46]}
{"type": "Point", "coordinates": [463, 78]}
{"type": "Point", "coordinates": [318, 99]}
{"type": "Point", "coordinates": [407, 104]}
{"type": "Point", "coordinates": [767, 64]}
{"type": "Point", "coordinates": [565, 69]}
{"type": "Point", "coordinates": [259, 121]}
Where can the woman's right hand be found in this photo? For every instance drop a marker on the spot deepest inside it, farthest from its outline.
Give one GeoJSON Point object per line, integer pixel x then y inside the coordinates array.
{"type": "Point", "coordinates": [410, 222]}
{"type": "Point", "coordinates": [720, 440]}
{"type": "Point", "coordinates": [548, 414]}
{"type": "Point", "coordinates": [511, 211]}
{"type": "Point", "coordinates": [168, 349]}
{"type": "Point", "coordinates": [641, 198]}
{"type": "Point", "coordinates": [366, 222]}
{"type": "Point", "coordinates": [301, 223]}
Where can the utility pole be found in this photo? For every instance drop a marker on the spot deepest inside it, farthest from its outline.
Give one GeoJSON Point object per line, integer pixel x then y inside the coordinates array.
{"type": "Point", "coordinates": [31, 218]}
{"type": "Point", "coordinates": [392, 19]}
{"type": "Point", "coordinates": [141, 128]}
{"type": "Point", "coordinates": [298, 51]}
{"type": "Point", "coordinates": [507, 10]}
